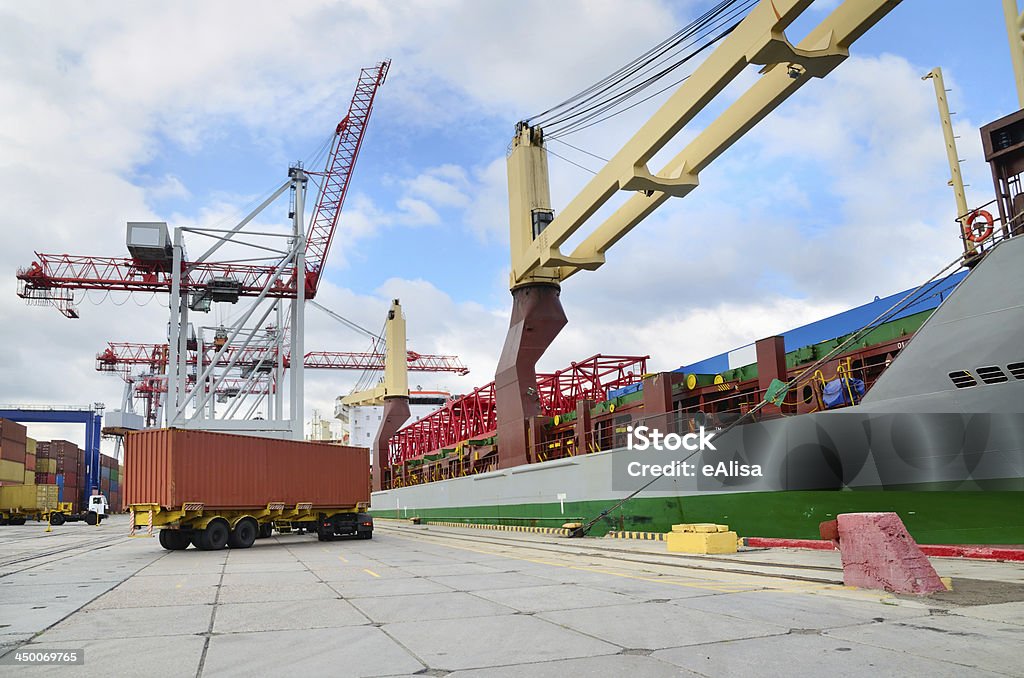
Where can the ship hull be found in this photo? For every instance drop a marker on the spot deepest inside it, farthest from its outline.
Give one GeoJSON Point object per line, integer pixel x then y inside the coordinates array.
{"type": "Point", "coordinates": [981, 511]}
{"type": "Point", "coordinates": [939, 439]}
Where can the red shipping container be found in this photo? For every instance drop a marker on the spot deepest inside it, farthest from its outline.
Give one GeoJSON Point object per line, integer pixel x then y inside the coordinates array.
{"type": "Point", "coordinates": [30, 462]}
{"type": "Point", "coordinates": [172, 466]}
{"type": "Point", "coordinates": [12, 450]}
{"type": "Point", "coordinates": [42, 449]}
{"type": "Point", "coordinates": [13, 431]}
{"type": "Point", "coordinates": [70, 480]}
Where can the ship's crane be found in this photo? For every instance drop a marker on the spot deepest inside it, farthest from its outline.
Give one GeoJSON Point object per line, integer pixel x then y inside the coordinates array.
{"type": "Point", "coordinates": [158, 263]}
{"type": "Point", "coordinates": [392, 392]}
{"type": "Point", "coordinates": [537, 235]}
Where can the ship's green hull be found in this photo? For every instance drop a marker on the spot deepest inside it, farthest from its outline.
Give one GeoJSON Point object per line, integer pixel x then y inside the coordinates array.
{"type": "Point", "coordinates": [931, 516]}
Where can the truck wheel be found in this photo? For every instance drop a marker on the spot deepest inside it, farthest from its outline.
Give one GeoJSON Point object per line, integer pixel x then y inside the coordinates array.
{"type": "Point", "coordinates": [215, 536]}
{"type": "Point", "coordinates": [174, 540]}
{"type": "Point", "coordinates": [57, 518]}
{"type": "Point", "coordinates": [244, 534]}
{"type": "Point", "coordinates": [17, 521]}
{"type": "Point", "coordinates": [91, 518]}
{"type": "Point", "coordinates": [266, 530]}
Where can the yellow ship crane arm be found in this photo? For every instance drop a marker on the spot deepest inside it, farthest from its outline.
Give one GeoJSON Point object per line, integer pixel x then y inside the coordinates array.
{"type": "Point", "coordinates": [537, 235]}
{"type": "Point", "coordinates": [759, 39]}
{"type": "Point", "coordinates": [396, 368]}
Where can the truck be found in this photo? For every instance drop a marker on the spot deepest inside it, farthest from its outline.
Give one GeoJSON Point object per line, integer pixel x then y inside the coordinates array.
{"type": "Point", "coordinates": [213, 490]}
{"type": "Point", "coordinates": [21, 503]}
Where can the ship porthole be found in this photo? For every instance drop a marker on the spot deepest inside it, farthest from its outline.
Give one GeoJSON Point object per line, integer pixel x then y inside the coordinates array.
{"type": "Point", "coordinates": [808, 394]}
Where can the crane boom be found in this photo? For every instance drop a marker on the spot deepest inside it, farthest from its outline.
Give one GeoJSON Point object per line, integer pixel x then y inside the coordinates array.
{"type": "Point", "coordinates": [537, 234]}
{"type": "Point", "coordinates": [348, 138]}
{"type": "Point", "coordinates": [119, 356]}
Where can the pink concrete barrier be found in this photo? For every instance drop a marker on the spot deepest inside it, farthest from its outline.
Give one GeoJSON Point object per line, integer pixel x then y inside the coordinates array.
{"type": "Point", "coordinates": [879, 553]}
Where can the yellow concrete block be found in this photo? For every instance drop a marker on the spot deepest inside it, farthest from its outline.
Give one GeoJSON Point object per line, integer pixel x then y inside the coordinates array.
{"type": "Point", "coordinates": [700, 527]}
{"type": "Point", "coordinates": [702, 542]}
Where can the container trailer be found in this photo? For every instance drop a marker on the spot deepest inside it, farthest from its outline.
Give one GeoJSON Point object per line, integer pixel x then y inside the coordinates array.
{"type": "Point", "coordinates": [212, 490]}
{"type": "Point", "coordinates": [21, 503]}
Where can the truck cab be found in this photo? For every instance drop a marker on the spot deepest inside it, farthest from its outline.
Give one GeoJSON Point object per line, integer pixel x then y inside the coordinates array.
{"type": "Point", "coordinates": [98, 505]}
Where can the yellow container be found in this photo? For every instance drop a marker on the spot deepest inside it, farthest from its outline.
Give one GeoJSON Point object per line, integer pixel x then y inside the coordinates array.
{"type": "Point", "coordinates": [28, 498]}
{"type": "Point", "coordinates": [30, 477]}
{"type": "Point", "coordinates": [702, 542]}
{"type": "Point", "coordinates": [12, 471]}
{"type": "Point", "coordinates": [30, 446]}
{"type": "Point", "coordinates": [46, 465]}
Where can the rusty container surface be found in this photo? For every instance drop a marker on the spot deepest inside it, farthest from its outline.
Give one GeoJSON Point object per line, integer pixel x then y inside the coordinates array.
{"type": "Point", "coordinates": [170, 467]}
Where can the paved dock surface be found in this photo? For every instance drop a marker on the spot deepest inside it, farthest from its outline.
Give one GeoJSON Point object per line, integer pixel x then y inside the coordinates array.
{"type": "Point", "coordinates": [424, 600]}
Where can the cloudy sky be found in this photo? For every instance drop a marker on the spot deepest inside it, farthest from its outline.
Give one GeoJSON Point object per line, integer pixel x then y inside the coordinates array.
{"type": "Point", "coordinates": [186, 112]}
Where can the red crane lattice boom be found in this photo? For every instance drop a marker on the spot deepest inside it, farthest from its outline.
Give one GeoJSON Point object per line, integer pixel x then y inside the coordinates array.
{"type": "Point", "coordinates": [474, 415]}
{"type": "Point", "coordinates": [52, 278]}
{"type": "Point", "coordinates": [348, 138]}
{"type": "Point", "coordinates": [119, 356]}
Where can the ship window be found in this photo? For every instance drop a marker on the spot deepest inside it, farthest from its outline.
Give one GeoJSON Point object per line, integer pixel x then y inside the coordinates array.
{"type": "Point", "coordinates": [991, 375]}
{"type": "Point", "coordinates": [962, 379]}
{"type": "Point", "coordinates": [808, 394]}
{"type": "Point", "coordinates": [1016, 369]}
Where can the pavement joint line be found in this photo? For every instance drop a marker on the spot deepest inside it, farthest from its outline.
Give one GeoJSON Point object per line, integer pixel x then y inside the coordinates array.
{"type": "Point", "coordinates": [213, 617]}
{"type": "Point", "coordinates": [87, 602]}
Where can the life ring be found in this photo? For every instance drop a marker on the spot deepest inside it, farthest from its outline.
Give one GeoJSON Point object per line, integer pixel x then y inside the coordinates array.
{"type": "Point", "coordinates": [978, 234]}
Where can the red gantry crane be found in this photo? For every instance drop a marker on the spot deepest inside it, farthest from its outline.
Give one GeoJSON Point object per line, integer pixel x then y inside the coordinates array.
{"type": "Point", "coordinates": [158, 263]}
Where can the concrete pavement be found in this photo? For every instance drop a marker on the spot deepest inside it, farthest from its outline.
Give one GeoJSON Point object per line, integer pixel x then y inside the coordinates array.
{"type": "Point", "coordinates": [434, 601]}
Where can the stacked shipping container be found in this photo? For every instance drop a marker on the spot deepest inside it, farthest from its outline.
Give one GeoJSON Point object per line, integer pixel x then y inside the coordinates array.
{"type": "Point", "coordinates": [24, 461]}
{"type": "Point", "coordinates": [12, 453]}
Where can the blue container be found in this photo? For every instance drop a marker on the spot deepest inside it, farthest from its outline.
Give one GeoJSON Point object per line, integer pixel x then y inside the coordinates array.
{"type": "Point", "coordinates": [60, 487]}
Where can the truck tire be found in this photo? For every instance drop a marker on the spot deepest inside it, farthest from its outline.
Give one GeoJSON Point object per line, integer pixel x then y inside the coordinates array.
{"type": "Point", "coordinates": [244, 534]}
{"type": "Point", "coordinates": [91, 518]}
{"type": "Point", "coordinates": [215, 536]}
{"type": "Point", "coordinates": [57, 518]}
{"type": "Point", "coordinates": [175, 540]}
{"type": "Point", "coordinates": [17, 521]}
{"type": "Point", "coordinates": [266, 530]}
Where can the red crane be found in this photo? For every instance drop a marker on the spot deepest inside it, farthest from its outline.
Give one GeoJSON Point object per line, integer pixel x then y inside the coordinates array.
{"type": "Point", "coordinates": [119, 356]}
{"type": "Point", "coordinates": [52, 278]}
{"type": "Point", "coordinates": [474, 415]}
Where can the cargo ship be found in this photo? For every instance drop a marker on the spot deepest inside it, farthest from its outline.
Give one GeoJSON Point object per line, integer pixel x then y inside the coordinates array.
{"type": "Point", "coordinates": [912, 404]}
{"type": "Point", "coordinates": [951, 360]}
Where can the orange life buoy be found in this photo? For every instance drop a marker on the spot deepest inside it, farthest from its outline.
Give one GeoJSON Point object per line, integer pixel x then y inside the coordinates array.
{"type": "Point", "coordinates": [978, 233]}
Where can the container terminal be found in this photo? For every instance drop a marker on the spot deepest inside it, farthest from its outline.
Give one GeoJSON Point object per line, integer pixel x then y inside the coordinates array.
{"type": "Point", "coordinates": [843, 496]}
